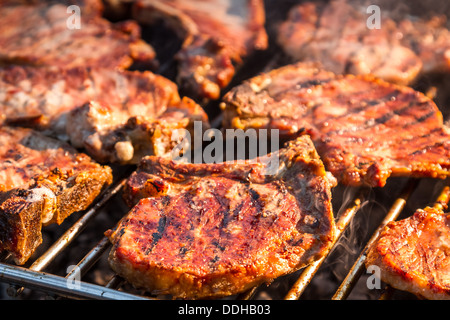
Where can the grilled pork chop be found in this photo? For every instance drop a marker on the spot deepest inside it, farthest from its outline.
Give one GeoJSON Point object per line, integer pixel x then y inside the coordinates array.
{"type": "Point", "coordinates": [364, 129]}
{"type": "Point", "coordinates": [42, 181]}
{"type": "Point", "coordinates": [414, 254]}
{"type": "Point", "coordinates": [210, 230]}
{"type": "Point", "coordinates": [336, 34]}
{"type": "Point", "coordinates": [98, 108]}
{"type": "Point", "coordinates": [217, 35]}
{"type": "Point", "coordinates": [40, 34]}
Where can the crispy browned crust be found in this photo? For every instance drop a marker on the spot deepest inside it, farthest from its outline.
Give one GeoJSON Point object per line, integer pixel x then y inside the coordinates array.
{"type": "Point", "coordinates": [76, 190]}
{"type": "Point", "coordinates": [364, 129]}
{"type": "Point", "coordinates": [42, 181]}
{"type": "Point", "coordinates": [211, 230]}
{"type": "Point", "coordinates": [414, 254]}
{"type": "Point", "coordinates": [20, 224]}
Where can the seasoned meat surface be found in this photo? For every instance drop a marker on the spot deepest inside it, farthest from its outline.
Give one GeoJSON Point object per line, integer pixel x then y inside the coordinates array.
{"type": "Point", "coordinates": [336, 34]}
{"type": "Point", "coordinates": [41, 34]}
{"type": "Point", "coordinates": [364, 129]}
{"type": "Point", "coordinates": [413, 254]}
{"type": "Point", "coordinates": [211, 230]}
{"type": "Point", "coordinates": [98, 108]}
{"type": "Point", "coordinates": [217, 35]}
{"type": "Point", "coordinates": [42, 181]}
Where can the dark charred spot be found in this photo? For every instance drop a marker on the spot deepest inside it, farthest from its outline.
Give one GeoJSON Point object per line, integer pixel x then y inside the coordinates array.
{"type": "Point", "coordinates": [183, 251]}
{"type": "Point", "coordinates": [158, 185]}
{"type": "Point", "coordinates": [216, 243]}
{"type": "Point", "coordinates": [255, 195]}
{"type": "Point", "coordinates": [215, 259]}
{"type": "Point", "coordinates": [156, 236]}
{"type": "Point", "coordinates": [165, 200]}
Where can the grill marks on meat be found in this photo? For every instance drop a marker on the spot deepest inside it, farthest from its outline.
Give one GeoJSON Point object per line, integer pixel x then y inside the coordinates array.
{"type": "Point", "coordinates": [414, 254]}
{"type": "Point", "coordinates": [210, 230]}
{"type": "Point", "coordinates": [217, 35]}
{"type": "Point", "coordinates": [38, 34]}
{"type": "Point", "coordinates": [42, 181]}
{"type": "Point", "coordinates": [335, 34]}
{"type": "Point", "coordinates": [98, 108]}
{"type": "Point", "coordinates": [364, 129]}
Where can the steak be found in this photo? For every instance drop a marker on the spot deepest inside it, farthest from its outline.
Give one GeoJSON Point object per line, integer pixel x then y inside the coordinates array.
{"type": "Point", "coordinates": [42, 181]}
{"type": "Point", "coordinates": [38, 34]}
{"type": "Point", "coordinates": [217, 36]}
{"type": "Point", "coordinates": [364, 129]}
{"type": "Point", "coordinates": [414, 254]}
{"type": "Point", "coordinates": [211, 230]}
{"type": "Point", "coordinates": [97, 108]}
{"type": "Point", "coordinates": [336, 34]}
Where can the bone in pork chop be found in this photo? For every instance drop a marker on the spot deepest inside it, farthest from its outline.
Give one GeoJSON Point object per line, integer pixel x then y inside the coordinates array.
{"type": "Point", "coordinates": [116, 115]}
{"type": "Point", "coordinates": [336, 34]}
{"type": "Point", "coordinates": [42, 181]}
{"type": "Point", "coordinates": [70, 82]}
{"type": "Point", "coordinates": [210, 230]}
{"type": "Point", "coordinates": [364, 129]}
{"type": "Point", "coordinates": [413, 254]}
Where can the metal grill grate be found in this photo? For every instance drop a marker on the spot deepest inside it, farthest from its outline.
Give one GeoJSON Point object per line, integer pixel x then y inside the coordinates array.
{"type": "Point", "coordinates": [33, 277]}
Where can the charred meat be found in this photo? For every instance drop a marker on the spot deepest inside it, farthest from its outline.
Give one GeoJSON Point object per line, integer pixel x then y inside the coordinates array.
{"type": "Point", "coordinates": [364, 129]}
{"type": "Point", "coordinates": [211, 230]}
{"type": "Point", "coordinates": [42, 181]}
{"type": "Point", "coordinates": [414, 254]}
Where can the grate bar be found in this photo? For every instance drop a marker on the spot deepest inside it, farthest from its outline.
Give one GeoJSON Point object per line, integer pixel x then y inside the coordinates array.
{"type": "Point", "coordinates": [91, 258]}
{"type": "Point", "coordinates": [247, 295]}
{"type": "Point", "coordinates": [358, 267]}
{"type": "Point", "coordinates": [443, 199]}
{"type": "Point", "coordinates": [59, 285]}
{"type": "Point", "coordinates": [308, 273]}
{"type": "Point", "coordinates": [115, 282]}
{"type": "Point", "coordinates": [4, 256]}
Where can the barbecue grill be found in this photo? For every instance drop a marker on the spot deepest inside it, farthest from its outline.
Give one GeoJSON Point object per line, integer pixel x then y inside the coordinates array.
{"type": "Point", "coordinates": [361, 213]}
{"type": "Point", "coordinates": [409, 194]}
